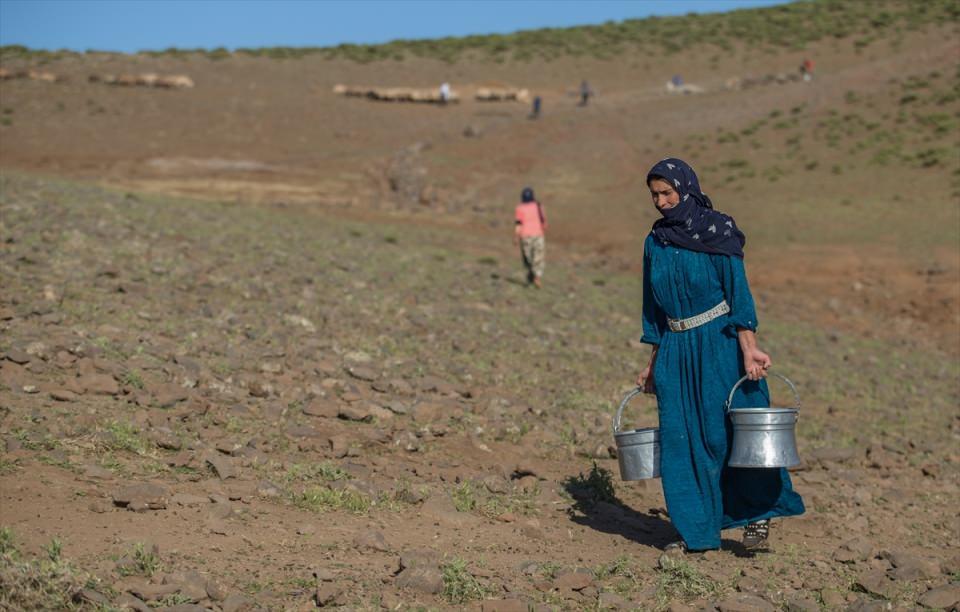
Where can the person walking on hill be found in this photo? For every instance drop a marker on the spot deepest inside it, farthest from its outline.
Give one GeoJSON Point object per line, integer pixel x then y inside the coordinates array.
{"type": "Point", "coordinates": [529, 234]}
{"type": "Point", "coordinates": [699, 316]}
{"type": "Point", "coordinates": [585, 92]}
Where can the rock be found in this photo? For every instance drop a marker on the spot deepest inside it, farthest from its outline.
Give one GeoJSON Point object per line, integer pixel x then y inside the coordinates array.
{"type": "Point", "coordinates": [152, 592]}
{"type": "Point", "coordinates": [441, 510]}
{"type": "Point", "coordinates": [168, 395]}
{"type": "Point", "coordinates": [143, 496]}
{"type": "Point", "coordinates": [472, 131]}
{"type": "Point", "coordinates": [425, 412]}
{"type": "Point", "coordinates": [329, 595]}
{"type": "Point", "coordinates": [187, 607]}
{"type": "Point", "coordinates": [321, 407]}
{"type": "Point", "coordinates": [504, 605]}
{"type": "Point", "coordinates": [941, 598]}
{"type": "Point", "coordinates": [837, 455]}
{"type": "Point", "coordinates": [215, 590]}
{"type": "Point", "coordinates": [186, 499]}
{"type": "Point", "coordinates": [496, 484]}
{"type": "Point", "coordinates": [574, 581]}
{"type": "Point", "coordinates": [425, 579]}
{"type": "Point", "coordinates": [355, 412]}
{"type": "Point", "coordinates": [907, 566]}
{"type": "Point", "coordinates": [744, 602]}
{"type": "Point", "coordinates": [612, 601]}
{"type": "Point", "coordinates": [99, 384]}
{"type": "Point", "coordinates": [165, 438]}
{"type": "Point", "coordinates": [259, 389]}
{"type": "Point", "coordinates": [832, 599]}
{"type": "Point", "coordinates": [800, 603]}
{"type": "Point", "coordinates": [373, 540]}
{"type": "Point", "coordinates": [236, 602]}
{"type": "Point", "coordinates": [63, 395]}
{"type": "Point", "coordinates": [223, 466]}
{"type": "Point", "coordinates": [90, 596]}
{"type": "Point", "coordinates": [95, 471]}
{"type": "Point", "coordinates": [420, 557]}
{"type": "Point", "coordinates": [868, 604]}
{"type": "Point", "coordinates": [17, 356]}
{"type": "Point", "coordinates": [857, 549]}
{"type": "Point", "coordinates": [265, 488]}
{"type": "Point", "coordinates": [876, 582]}
{"type": "Point", "coordinates": [361, 372]}
{"type": "Point", "coordinates": [126, 601]}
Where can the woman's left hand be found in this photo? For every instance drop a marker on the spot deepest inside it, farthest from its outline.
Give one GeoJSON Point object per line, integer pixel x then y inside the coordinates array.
{"type": "Point", "coordinates": [756, 363]}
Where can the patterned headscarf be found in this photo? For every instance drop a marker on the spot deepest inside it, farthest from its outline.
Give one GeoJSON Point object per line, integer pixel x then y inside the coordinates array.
{"type": "Point", "coordinates": [693, 224]}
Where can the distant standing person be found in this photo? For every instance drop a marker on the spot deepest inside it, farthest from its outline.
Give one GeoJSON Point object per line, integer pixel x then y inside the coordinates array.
{"type": "Point", "coordinates": [529, 233]}
{"type": "Point", "coordinates": [444, 93]}
{"type": "Point", "coordinates": [806, 69]}
{"type": "Point", "coordinates": [535, 113]}
{"type": "Point", "coordinates": [585, 92]}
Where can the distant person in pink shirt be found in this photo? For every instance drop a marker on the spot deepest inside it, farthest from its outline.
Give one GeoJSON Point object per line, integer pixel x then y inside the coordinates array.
{"type": "Point", "coordinates": [529, 235]}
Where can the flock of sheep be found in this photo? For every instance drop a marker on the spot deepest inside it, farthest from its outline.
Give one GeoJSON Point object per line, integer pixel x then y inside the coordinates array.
{"type": "Point", "coordinates": [149, 79]}
{"type": "Point", "coordinates": [430, 96]}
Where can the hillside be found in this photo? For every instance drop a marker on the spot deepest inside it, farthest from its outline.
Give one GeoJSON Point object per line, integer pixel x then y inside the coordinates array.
{"type": "Point", "coordinates": [269, 345]}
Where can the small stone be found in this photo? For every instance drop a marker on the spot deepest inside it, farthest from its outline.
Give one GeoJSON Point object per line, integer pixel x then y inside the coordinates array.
{"type": "Point", "coordinates": [425, 579]}
{"type": "Point", "coordinates": [17, 356]}
{"type": "Point", "coordinates": [329, 595]}
{"type": "Point", "coordinates": [223, 466]}
{"type": "Point", "coordinates": [911, 567]}
{"type": "Point", "coordinates": [265, 488]}
{"type": "Point", "coordinates": [612, 601]}
{"type": "Point", "coordinates": [801, 603]}
{"type": "Point", "coordinates": [99, 384]}
{"type": "Point", "coordinates": [236, 602]}
{"type": "Point", "coordinates": [321, 407]}
{"type": "Point", "coordinates": [355, 412]}
{"type": "Point", "coordinates": [504, 605]}
{"type": "Point", "coordinates": [373, 540]}
{"type": "Point", "coordinates": [942, 598]}
{"type": "Point", "coordinates": [419, 557]}
{"type": "Point", "coordinates": [63, 395]}
{"type": "Point", "coordinates": [875, 582]}
{"type": "Point", "coordinates": [745, 602]}
{"type": "Point", "coordinates": [362, 373]}
{"type": "Point", "coordinates": [574, 581]}
{"type": "Point", "coordinates": [147, 496]}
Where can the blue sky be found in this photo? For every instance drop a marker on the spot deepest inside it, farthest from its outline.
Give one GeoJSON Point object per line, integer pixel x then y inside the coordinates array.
{"type": "Point", "coordinates": [134, 25]}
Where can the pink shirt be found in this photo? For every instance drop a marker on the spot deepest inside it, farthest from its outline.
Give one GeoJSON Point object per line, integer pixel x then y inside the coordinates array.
{"type": "Point", "coordinates": [528, 216]}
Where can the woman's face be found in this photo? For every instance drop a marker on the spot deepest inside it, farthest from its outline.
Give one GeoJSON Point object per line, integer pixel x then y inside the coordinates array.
{"type": "Point", "coordinates": [664, 195]}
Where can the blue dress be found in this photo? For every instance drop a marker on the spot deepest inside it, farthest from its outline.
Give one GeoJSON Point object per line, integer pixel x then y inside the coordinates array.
{"type": "Point", "coordinates": [694, 372]}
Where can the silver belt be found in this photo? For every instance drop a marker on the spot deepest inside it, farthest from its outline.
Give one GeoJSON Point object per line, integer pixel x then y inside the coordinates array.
{"type": "Point", "coordinates": [679, 325]}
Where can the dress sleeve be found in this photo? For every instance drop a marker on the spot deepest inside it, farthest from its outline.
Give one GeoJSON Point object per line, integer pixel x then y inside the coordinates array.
{"type": "Point", "coordinates": [736, 291]}
{"type": "Point", "coordinates": [654, 319]}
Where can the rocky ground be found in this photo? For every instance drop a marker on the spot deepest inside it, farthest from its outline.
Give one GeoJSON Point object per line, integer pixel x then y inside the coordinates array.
{"type": "Point", "coordinates": [229, 407]}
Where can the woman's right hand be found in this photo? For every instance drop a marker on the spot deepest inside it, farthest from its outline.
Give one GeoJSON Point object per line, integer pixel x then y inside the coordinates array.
{"type": "Point", "coordinates": [645, 379]}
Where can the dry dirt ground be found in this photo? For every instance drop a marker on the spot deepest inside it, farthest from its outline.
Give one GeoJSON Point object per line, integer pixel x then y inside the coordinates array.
{"type": "Point", "coordinates": [263, 346]}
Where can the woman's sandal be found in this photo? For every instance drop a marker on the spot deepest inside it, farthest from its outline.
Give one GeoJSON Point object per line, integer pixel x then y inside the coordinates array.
{"type": "Point", "coordinates": [755, 534]}
{"type": "Point", "coordinates": [678, 547]}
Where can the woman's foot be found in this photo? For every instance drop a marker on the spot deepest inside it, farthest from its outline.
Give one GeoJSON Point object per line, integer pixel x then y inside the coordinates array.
{"type": "Point", "coordinates": [676, 548]}
{"type": "Point", "coordinates": [755, 534]}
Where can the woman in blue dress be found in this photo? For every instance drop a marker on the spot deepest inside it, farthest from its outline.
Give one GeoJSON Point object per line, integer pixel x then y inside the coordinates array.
{"type": "Point", "coordinates": [699, 316]}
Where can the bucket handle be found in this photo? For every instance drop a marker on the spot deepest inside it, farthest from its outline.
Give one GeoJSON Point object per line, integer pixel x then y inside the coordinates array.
{"type": "Point", "coordinates": [726, 406]}
{"type": "Point", "coordinates": [623, 404]}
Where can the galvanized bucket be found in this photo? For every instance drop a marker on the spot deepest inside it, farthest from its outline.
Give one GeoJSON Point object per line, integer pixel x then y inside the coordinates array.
{"type": "Point", "coordinates": [638, 450]}
{"type": "Point", "coordinates": [764, 437]}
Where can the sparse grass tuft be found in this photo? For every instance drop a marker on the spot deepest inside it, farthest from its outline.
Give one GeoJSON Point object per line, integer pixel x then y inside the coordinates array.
{"type": "Point", "coordinates": [36, 584]}
{"type": "Point", "coordinates": [459, 586]}
{"type": "Point", "coordinates": [678, 579]}
{"type": "Point", "coordinates": [595, 486]}
{"type": "Point", "coordinates": [142, 562]}
{"type": "Point", "coordinates": [325, 471]}
{"type": "Point", "coordinates": [324, 499]}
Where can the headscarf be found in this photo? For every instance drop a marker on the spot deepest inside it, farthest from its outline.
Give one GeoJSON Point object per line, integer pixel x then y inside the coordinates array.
{"type": "Point", "coordinates": [693, 224]}
{"type": "Point", "coordinates": [526, 196]}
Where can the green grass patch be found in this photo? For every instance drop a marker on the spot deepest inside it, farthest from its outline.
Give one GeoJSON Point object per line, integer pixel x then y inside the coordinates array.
{"type": "Point", "coordinates": [325, 499]}
{"type": "Point", "coordinates": [459, 585]}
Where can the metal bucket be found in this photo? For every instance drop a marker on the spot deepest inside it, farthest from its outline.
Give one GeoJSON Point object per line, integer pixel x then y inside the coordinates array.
{"type": "Point", "coordinates": [764, 437]}
{"type": "Point", "coordinates": [638, 450]}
